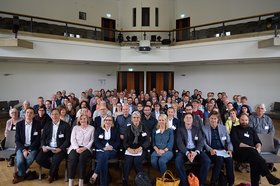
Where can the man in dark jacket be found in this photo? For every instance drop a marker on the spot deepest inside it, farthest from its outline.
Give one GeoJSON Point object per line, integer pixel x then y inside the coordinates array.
{"type": "Point", "coordinates": [55, 140]}
{"type": "Point", "coordinates": [28, 134]}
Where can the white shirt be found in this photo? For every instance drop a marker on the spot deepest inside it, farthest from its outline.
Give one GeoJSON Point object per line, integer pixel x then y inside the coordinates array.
{"type": "Point", "coordinates": [28, 128]}
{"type": "Point", "coordinates": [157, 114]}
{"type": "Point", "coordinates": [170, 123]}
{"type": "Point", "coordinates": [107, 135]}
{"type": "Point", "coordinates": [53, 142]}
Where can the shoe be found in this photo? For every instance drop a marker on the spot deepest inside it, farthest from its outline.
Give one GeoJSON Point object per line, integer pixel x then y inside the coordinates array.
{"type": "Point", "coordinates": [272, 179]}
{"type": "Point", "coordinates": [18, 179]}
{"type": "Point", "coordinates": [51, 179]}
{"type": "Point", "coordinates": [92, 180]}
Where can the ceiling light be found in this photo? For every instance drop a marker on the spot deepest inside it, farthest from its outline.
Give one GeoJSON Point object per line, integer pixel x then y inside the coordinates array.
{"type": "Point", "coordinates": [182, 15]}
{"type": "Point", "coordinates": [130, 69]}
{"type": "Point", "coordinates": [108, 15]}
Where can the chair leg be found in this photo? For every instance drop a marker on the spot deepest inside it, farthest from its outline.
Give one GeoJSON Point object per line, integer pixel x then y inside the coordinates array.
{"type": "Point", "coordinates": [40, 172]}
{"type": "Point", "coordinates": [66, 171]}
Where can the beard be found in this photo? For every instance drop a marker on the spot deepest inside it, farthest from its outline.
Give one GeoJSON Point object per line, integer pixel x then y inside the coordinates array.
{"type": "Point", "coordinates": [244, 125]}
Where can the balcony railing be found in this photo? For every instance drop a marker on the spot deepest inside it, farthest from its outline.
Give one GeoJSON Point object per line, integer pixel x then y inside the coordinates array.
{"type": "Point", "coordinates": [28, 23]}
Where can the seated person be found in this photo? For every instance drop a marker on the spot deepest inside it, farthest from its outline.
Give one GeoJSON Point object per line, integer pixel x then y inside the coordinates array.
{"type": "Point", "coordinates": [136, 140]}
{"type": "Point", "coordinates": [42, 116]}
{"type": "Point", "coordinates": [11, 126]}
{"type": "Point", "coordinates": [79, 152]}
{"type": "Point", "coordinates": [190, 142]}
{"type": "Point", "coordinates": [55, 139]}
{"type": "Point", "coordinates": [28, 135]}
{"type": "Point", "coordinates": [163, 140]}
{"type": "Point", "coordinates": [232, 120]}
{"type": "Point", "coordinates": [107, 142]}
{"type": "Point", "coordinates": [262, 124]}
{"type": "Point", "coordinates": [217, 139]}
{"type": "Point", "coordinates": [247, 148]}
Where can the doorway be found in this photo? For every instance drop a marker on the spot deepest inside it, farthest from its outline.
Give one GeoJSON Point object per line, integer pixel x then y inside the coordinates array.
{"type": "Point", "coordinates": [160, 81]}
{"type": "Point", "coordinates": [183, 29]}
{"type": "Point", "coordinates": [109, 26]}
{"type": "Point", "coordinates": [131, 80]}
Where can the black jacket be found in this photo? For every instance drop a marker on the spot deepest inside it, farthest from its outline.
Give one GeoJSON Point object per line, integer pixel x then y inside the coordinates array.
{"type": "Point", "coordinates": [100, 142]}
{"type": "Point", "coordinates": [62, 138]}
{"type": "Point", "coordinates": [35, 136]}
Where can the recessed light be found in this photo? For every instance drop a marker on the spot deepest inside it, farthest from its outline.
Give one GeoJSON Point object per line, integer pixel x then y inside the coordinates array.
{"type": "Point", "coordinates": [182, 15]}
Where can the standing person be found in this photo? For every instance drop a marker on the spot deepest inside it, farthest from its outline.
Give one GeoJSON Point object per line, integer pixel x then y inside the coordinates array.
{"type": "Point", "coordinates": [79, 152]}
{"type": "Point", "coordinates": [55, 139]}
{"type": "Point", "coordinates": [163, 141]}
{"type": "Point", "coordinates": [247, 147]}
{"type": "Point", "coordinates": [190, 143]}
{"type": "Point", "coordinates": [136, 141]}
{"type": "Point", "coordinates": [28, 135]}
{"type": "Point", "coordinates": [107, 142]}
{"type": "Point", "coordinates": [232, 121]}
{"type": "Point", "coordinates": [216, 140]}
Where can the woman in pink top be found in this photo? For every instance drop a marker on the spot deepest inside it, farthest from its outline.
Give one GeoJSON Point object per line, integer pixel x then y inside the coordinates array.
{"type": "Point", "coordinates": [79, 152]}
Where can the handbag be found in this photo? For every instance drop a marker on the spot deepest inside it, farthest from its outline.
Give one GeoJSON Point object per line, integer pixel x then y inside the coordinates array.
{"type": "Point", "coordinates": [193, 180]}
{"type": "Point", "coordinates": [169, 180]}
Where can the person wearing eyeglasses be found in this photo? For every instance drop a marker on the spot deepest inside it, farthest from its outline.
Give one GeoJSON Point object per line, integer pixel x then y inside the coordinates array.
{"type": "Point", "coordinates": [107, 142]}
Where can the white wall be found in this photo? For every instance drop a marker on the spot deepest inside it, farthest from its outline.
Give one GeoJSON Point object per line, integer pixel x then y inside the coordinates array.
{"type": "Point", "coordinates": [204, 11]}
{"type": "Point", "coordinates": [259, 82]}
{"type": "Point", "coordinates": [30, 80]}
{"type": "Point", "coordinates": [65, 10]}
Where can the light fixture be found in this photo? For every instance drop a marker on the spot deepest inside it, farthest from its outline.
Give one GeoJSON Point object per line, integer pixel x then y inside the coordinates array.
{"type": "Point", "coordinates": [227, 33]}
{"type": "Point", "coordinates": [130, 69]}
{"type": "Point", "coordinates": [182, 15]}
{"type": "Point", "coordinates": [108, 15]}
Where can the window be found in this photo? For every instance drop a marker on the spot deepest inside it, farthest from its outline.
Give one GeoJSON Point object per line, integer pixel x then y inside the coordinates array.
{"type": "Point", "coordinates": [134, 17]}
{"type": "Point", "coordinates": [145, 16]}
{"type": "Point", "coordinates": [156, 17]}
{"type": "Point", "coordinates": [82, 15]}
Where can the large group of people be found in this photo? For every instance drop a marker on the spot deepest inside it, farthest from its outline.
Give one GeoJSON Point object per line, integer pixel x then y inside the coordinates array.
{"type": "Point", "coordinates": [163, 126]}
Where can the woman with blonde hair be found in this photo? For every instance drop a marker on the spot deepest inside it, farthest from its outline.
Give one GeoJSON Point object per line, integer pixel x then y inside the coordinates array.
{"type": "Point", "coordinates": [163, 140]}
{"type": "Point", "coordinates": [107, 142]}
{"type": "Point", "coordinates": [79, 152]}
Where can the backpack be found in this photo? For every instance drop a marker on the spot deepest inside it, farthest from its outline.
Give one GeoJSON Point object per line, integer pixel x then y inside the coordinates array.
{"type": "Point", "coordinates": [142, 179]}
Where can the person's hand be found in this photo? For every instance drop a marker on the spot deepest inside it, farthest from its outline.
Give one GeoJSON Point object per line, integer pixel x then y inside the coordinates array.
{"type": "Point", "coordinates": [229, 153]}
{"type": "Point", "coordinates": [122, 136]}
{"type": "Point", "coordinates": [109, 147]}
{"type": "Point", "coordinates": [56, 150]}
{"type": "Point", "coordinates": [44, 149]}
{"type": "Point", "coordinates": [80, 150]}
{"type": "Point", "coordinates": [25, 153]}
{"type": "Point", "coordinates": [213, 152]}
{"type": "Point", "coordinates": [161, 152]}
{"type": "Point", "coordinates": [192, 155]}
{"type": "Point", "coordinates": [258, 149]}
{"type": "Point", "coordinates": [131, 151]}
{"type": "Point", "coordinates": [189, 156]}
{"type": "Point", "coordinates": [138, 150]}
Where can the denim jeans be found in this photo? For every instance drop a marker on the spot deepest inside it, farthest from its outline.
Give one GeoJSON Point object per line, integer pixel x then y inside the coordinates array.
{"type": "Point", "coordinates": [24, 163]}
{"type": "Point", "coordinates": [102, 165]}
{"type": "Point", "coordinates": [204, 161]}
{"type": "Point", "coordinates": [160, 162]}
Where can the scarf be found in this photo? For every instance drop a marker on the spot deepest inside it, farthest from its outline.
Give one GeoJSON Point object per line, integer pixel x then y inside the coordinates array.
{"type": "Point", "coordinates": [136, 131]}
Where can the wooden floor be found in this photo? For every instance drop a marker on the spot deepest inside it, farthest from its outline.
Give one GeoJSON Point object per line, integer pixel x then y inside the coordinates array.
{"type": "Point", "coordinates": [7, 172]}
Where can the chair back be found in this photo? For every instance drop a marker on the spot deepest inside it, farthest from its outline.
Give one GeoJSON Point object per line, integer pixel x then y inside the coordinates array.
{"type": "Point", "coordinates": [267, 142]}
{"type": "Point", "coordinates": [10, 140]}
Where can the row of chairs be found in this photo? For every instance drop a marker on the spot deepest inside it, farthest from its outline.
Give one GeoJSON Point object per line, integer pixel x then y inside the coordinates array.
{"type": "Point", "coordinates": [5, 107]}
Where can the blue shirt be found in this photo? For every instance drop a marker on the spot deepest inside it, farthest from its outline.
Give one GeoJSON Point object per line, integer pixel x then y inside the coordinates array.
{"type": "Point", "coordinates": [215, 139]}
{"type": "Point", "coordinates": [163, 140]}
{"type": "Point", "coordinates": [190, 144]}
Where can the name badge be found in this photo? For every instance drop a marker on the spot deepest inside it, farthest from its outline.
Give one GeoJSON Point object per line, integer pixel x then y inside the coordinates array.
{"type": "Point", "coordinates": [195, 138]}
{"type": "Point", "coordinates": [157, 131]}
{"type": "Point", "coordinates": [61, 135]}
{"type": "Point", "coordinates": [144, 134]}
{"type": "Point", "coordinates": [173, 127]}
{"type": "Point", "coordinates": [128, 124]}
{"type": "Point", "coordinates": [35, 133]}
{"type": "Point", "coordinates": [266, 127]}
{"type": "Point", "coordinates": [224, 138]}
{"type": "Point", "coordinates": [101, 136]}
{"type": "Point", "coordinates": [14, 128]}
{"type": "Point", "coordinates": [247, 135]}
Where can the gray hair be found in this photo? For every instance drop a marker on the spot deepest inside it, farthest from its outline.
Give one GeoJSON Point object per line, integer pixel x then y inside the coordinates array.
{"type": "Point", "coordinates": [262, 105]}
